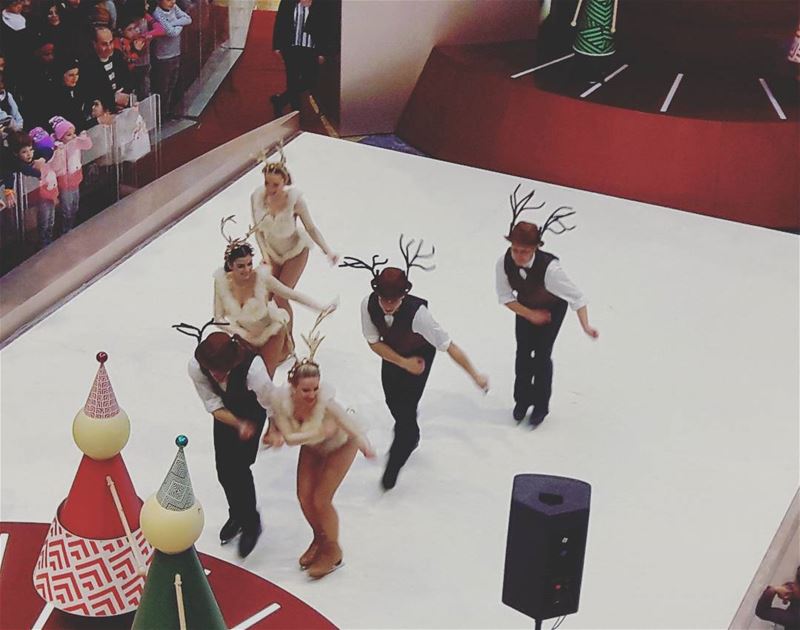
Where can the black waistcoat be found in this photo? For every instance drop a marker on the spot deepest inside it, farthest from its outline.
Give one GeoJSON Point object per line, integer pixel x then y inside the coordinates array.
{"type": "Point", "coordinates": [399, 336]}
{"type": "Point", "coordinates": [530, 290]}
{"type": "Point", "coordinates": [237, 399]}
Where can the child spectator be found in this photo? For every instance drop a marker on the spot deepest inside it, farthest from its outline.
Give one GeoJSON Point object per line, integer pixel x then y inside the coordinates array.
{"type": "Point", "coordinates": [41, 198]}
{"type": "Point", "coordinates": [6, 170]}
{"type": "Point", "coordinates": [167, 52]}
{"type": "Point", "coordinates": [44, 148]}
{"type": "Point", "coordinates": [69, 181]}
{"type": "Point", "coordinates": [138, 28]}
{"type": "Point", "coordinates": [101, 113]}
{"type": "Point", "coordinates": [9, 105]}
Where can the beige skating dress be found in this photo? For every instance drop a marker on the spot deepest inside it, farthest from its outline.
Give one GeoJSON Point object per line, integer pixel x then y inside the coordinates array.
{"type": "Point", "coordinates": [258, 318]}
{"type": "Point", "coordinates": [326, 433]}
{"type": "Point", "coordinates": [279, 236]}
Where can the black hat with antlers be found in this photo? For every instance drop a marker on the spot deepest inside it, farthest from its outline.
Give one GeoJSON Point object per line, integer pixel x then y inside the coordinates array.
{"type": "Point", "coordinates": [392, 283]}
{"type": "Point", "coordinates": [529, 234]}
{"type": "Point", "coordinates": [219, 351]}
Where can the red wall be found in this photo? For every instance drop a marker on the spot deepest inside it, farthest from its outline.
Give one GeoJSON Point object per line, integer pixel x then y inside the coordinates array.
{"type": "Point", "coordinates": [747, 172]}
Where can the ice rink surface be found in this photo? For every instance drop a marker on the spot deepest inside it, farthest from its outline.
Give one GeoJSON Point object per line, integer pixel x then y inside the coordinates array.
{"type": "Point", "coordinates": [683, 415]}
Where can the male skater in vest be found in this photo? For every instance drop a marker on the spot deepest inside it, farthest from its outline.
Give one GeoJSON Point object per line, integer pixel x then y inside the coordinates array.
{"type": "Point", "coordinates": [233, 383]}
{"type": "Point", "coordinates": [531, 283]}
{"type": "Point", "coordinates": [401, 330]}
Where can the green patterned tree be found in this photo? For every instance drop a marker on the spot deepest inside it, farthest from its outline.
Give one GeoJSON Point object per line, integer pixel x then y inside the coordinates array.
{"type": "Point", "coordinates": [596, 26]}
{"type": "Point", "coordinates": [177, 594]}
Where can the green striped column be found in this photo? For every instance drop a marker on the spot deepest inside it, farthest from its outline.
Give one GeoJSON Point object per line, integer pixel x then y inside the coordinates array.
{"type": "Point", "coordinates": [594, 36]}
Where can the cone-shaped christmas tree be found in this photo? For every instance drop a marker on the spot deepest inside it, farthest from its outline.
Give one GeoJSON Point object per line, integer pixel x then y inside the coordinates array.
{"type": "Point", "coordinates": [177, 593]}
{"type": "Point", "coordinates": [94, 558]}
{"type": "Point", "coordinates": [595, 37]}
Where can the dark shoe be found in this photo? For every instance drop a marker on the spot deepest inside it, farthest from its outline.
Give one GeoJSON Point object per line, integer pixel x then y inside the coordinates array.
{"type": "Point", "coordinates": [277, 107]}
{"type": "Point", "coordinates": [537, 417]}
{"type": "Point", "coordinates": [248, 540]}
{"type": "Point", "coordinates": [520, 411]}
{"type": "Point", "coordinates": [229, 531]}
{"type": "Point", "coordinates": [389, 479]}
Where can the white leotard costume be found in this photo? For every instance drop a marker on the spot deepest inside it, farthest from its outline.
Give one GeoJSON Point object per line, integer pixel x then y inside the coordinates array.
{"type": "Point", "coordinates": [279, 236]}
{"type": "Point", "coordinates": [327, 434]}
{"type": "Point", "coordinates": [258, 318]}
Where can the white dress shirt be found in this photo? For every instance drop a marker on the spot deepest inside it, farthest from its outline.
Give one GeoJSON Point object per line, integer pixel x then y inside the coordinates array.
{"type": "Point", "coordinates": [555, 281]}
{"type": "Point", "coordinates": [257, 381]}
{"type": "Point", "coordinates": [422, 324]}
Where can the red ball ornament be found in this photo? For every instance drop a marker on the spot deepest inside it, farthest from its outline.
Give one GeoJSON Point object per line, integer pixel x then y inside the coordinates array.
{"type": "Point", "coordinates": [102, 357]}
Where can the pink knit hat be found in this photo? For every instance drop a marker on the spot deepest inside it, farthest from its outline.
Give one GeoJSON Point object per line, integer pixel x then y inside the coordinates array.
{"type": "Point", "coordinates": [61, 126]}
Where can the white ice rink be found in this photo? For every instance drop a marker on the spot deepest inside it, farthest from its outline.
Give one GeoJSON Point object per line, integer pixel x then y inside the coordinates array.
{"type": "Point", "coordinates": [683, 416]}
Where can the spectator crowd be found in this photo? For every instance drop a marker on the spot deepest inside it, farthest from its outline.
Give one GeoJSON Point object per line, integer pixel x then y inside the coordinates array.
{"type": "Point", "coordinates": [67, 66]}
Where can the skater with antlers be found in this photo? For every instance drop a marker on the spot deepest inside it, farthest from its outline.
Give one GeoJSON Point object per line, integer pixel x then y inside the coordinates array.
{"type": "Point", "coordinates": [232, 382]}
{"type": "Point", "coordinates": [243, 305]}
{"type": "Point", "coordinates": [400, 329]}
{"type": "Point", "coordinates": [531, 283]}
{"type": "Point", "coordinates": [305, 413]}
{"type": "Point", "coordinates": [276, 207]}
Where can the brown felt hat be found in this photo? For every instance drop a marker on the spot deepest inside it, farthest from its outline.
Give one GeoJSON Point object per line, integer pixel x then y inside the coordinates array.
{"type": "Point", "coordinates": [220, 352]}
{"type": "Point", "coordinates": [391, 283]}
{"type": "Point", "coordinates": [526, 234]}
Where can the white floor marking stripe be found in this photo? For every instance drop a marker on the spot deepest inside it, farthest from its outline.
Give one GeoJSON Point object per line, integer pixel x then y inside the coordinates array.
{"type": "Point", "coordinates": [544, 65]}
{"type": "Point", "coordinates": [772, 99]}
{"type": "Point", "coordinates": [3, 542]}
{"type": "Point", "coordinates": [606, 80]}
{"type": "Point", "coordinates": [43, 617]}
{"type": "Point", "coordinates": [672, 91]}
{"type": "Point", "coordinates": [615, 73]}
{"type": "Point", "coordinates": [596, 86]}
{"type": "Point", "coordinates": [258, 617]}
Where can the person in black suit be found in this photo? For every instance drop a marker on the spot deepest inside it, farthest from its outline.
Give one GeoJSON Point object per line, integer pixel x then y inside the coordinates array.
{"type": "Point", "coordinates": [400, 329]}
{"type": "Point", "coordinates": [105, 73]}
{"type": "Point", "coordinates": [303, 38]}
{"type": "Point", "coordinates": [531, 283]}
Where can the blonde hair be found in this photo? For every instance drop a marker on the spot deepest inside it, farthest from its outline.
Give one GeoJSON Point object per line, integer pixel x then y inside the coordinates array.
{"type": "Point", "coordinates": [277, 168]}
{"type": "Point", "coordinates": [303, 369]}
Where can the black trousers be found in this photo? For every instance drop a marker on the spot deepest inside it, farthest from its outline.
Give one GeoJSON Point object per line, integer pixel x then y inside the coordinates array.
{"type": "Point", "coordinates": [302, 69]}
{"type": "Point", "coordinates": [533, 365]}
{"type": "Point", "coordinates": [403, 391]}
{"type": "Point", "coordinates": [233, 458]}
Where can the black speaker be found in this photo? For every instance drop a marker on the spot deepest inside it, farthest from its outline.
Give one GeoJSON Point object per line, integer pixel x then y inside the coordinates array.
{"type": "Point", "coordinates": [546, 545]}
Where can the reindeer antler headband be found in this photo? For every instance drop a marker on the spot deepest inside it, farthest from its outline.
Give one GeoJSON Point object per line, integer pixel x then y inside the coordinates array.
{"type": "Point", "coordinates": [405, 249]}
{"type": "Point", "coordinates": [234, 243]}
{"type": "Point", "coordinates": [313, 340]}
{"type": "Point", "coordinates": [410, 260]}
{"type": "Point", "coordinates": [271, 167]}
{"type": "Point", "coordinates": [194, 331]}
{"type": "Point", "coordinates": [518, 206]}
